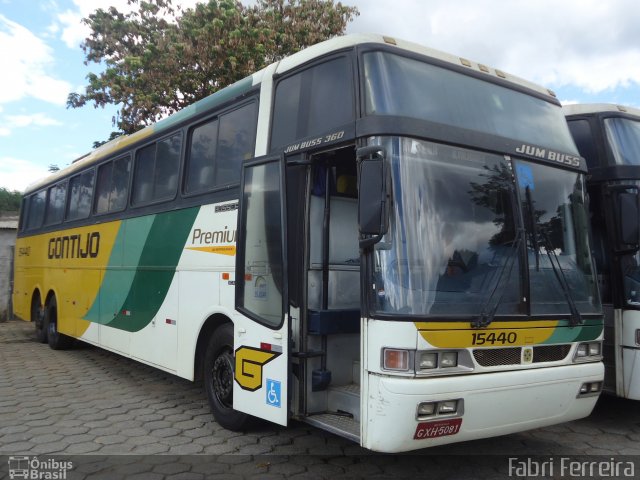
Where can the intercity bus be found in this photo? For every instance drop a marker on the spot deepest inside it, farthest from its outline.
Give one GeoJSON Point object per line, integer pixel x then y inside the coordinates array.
{"type": "Point", "coordinates": [380, 239]}
{"type": "Point", "coordinates": [608, 137]}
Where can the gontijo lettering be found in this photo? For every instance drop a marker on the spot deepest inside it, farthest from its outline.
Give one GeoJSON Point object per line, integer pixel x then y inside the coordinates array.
{"type": "Point", "coordinates": [74, 246]}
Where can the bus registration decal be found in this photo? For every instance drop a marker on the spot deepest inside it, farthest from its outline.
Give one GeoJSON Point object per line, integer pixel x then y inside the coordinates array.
{"type": "Point", "coordinates": [439, 428]}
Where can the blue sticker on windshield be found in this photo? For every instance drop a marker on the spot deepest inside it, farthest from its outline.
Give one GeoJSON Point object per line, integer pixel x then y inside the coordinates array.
{"type": "Point", "coordinates": [525, 176]}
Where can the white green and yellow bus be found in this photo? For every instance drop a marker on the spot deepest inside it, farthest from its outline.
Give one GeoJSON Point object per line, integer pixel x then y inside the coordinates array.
{"type": "Point", "coordinates": [382, 240]}
{"type": "Point", "coordinates": [608, 137]}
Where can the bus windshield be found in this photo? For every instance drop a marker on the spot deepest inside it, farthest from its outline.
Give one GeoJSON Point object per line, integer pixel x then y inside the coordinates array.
{"type": "Point", "coordinates": [393, 83]}
{"type": "Point", "coordinates": [624, 138]}
{"type": "Point", "coordinates": [454, 245]}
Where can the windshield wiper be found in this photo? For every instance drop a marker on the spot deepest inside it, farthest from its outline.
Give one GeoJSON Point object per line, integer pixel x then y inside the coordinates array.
{"type": "Point", "coordinates": [576, 318]}
{"type": "Point", "coordinates": [485, 317]}
{"type": "Point", "coordinates": [536, 230]}
{"type": "Point", "coordinates": [533, 227]}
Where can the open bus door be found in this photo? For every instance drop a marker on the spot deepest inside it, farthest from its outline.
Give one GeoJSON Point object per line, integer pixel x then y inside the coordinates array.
{"type": "Point", "coordinates": [261, 333]}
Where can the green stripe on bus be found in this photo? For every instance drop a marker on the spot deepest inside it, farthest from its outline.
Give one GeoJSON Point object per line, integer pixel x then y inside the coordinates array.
{"type": "Point", "coordinates": [156, 269]}
{"type": "Point", "coordinates": [121, 270]}
{"type": "Point", "coordinates": [590, 330]}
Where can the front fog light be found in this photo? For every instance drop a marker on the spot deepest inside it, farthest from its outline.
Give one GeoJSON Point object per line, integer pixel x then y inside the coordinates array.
{"type": "Point", "coordinates": [428, 360]}
{"type": "Point", "coordinates": [449, 359]}
{"type": "Point", "coordinates": [595, 387]}
{"type": "Point", "coordinates": [585, 388]}
{"type": "Point", "coordinates": [450, 406]}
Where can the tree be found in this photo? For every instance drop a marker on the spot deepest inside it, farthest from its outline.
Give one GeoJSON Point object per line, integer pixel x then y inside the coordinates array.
{"type": "Point", "coordinates": [9, 200]}
{"type": "Point", "coordinates": [159, 59]}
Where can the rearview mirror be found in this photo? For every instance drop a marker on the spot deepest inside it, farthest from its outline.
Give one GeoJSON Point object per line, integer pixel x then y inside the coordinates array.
{"type": "Point", "coordinates": [626, 206]}
{"type": "Point", "coordinates": [373, 204]}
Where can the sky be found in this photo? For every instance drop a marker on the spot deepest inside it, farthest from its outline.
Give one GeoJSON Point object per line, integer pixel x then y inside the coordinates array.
{"type": "Point", "coordinates": [585, 50]}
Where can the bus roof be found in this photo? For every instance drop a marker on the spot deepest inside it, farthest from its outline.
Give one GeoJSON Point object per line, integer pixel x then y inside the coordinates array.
{"type": "Point", "coordinates": [588, 108]}
{"type": "Point", "coordinates": [242, 86]}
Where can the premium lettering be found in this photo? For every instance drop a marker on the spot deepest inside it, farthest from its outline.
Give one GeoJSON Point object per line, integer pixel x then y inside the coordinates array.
{"type": "Point", "coordinates": [74, 246]}
{"type": "Point", "coordinates": [200, 237]}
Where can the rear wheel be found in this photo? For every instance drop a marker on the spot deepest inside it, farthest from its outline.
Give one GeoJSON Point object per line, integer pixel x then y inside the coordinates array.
{"type": "Point", "coordinates": [218, 379]}
{"type": "Point", "coordinates": [37, 317]}
{"type": "Point", "coordinates": [57, 340]}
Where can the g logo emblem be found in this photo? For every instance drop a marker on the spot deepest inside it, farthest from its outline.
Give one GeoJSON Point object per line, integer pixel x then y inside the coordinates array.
{"type": "Point", "coordinates": [527, 355]}
{"type": "Point", "coordinates": [249, 363]}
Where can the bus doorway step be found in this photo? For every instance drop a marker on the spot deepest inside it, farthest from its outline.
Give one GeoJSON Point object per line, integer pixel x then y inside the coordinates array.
{"type": "Point", "coordinates": [344, 426]}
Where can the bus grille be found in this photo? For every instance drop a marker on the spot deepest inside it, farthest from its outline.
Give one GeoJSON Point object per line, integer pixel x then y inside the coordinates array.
{"type": "Point", "coordinates": [495, 357]}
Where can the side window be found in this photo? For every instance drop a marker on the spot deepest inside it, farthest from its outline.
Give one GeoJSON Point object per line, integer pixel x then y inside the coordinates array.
{"type": "Point", "coordinates": [236, 142]}
{"type": "Point", "coordinates": [103, 187]}
{"type": "Point", "coordinates": [581, 131]}
{"type": "Point", "coordinates": [80, 194]}
{"type": "Point", "coordinates": [202, 157]}
{"type": "Point", "coordinates": [217, 148]}
{"type": "Point", "coordinates": [167, 167]}
{"type": "Point", "coordinates": [55, 204]}
{"type": "Point", "coordinates": [113, 185]}
{"type": "Point", "coordinates": [120, 184]}
{"type": "Point", "coordinates": [36, 210]}
{"type": "Point", "coordinates": [143, 175]}
{"type": "Point", "coordinates": [155, 176]}
{"type": "Point", "coordinates": [313, 101]}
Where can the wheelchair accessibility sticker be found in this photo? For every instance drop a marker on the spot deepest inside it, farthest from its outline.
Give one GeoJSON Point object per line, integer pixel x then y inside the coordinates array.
{"type": "Point", "coordinates": [273, 393]}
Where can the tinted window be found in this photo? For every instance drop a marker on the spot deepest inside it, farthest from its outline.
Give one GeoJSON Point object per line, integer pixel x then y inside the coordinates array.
{"type": "Point", "coordinates": [55, 203]}
{"type": "Point", "coordinates": [103, 187]}
{"type": "Point", "coordinates": [261, 292]}
{"type": "Point", "coordinates": [80, 193]}
{"type": "Point", "coordinates": [202, 154]}
{"type": "Point", "coordinates": [120, 184]}
{"type": "Point", "coordinates": [623, 135]}
{"type": "Point", "coordinates": [236, 142]}
{"type": "Point", "coordinates": [156, 173]}
{"type": "Point", "coordinates": [396, 85]}
{"type": "Point", "coordinates": [143, 175]}
{"type": "Point", "coordinates": [36, 210]}
{"type": "Point", "coordinates": [167, 167]}
{"type": "Point", "coordinates": [581, 131]}
{"type": "Point", "coordinates": [218, 147]}
{"type": "Point", "coordinates": [113, 186]}
{"type": "Point", "coordinates": [313, 101]}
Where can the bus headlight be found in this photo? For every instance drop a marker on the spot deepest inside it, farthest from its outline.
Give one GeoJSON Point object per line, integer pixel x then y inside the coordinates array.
{"type": "Point", "coordinates": [449, 359]}
{"type": "Point", "coordinates": [588, 352]}
{"type": "Point", "coordinates": [443, 362]}
{"type": "Point", "coordinates": [428, 360]}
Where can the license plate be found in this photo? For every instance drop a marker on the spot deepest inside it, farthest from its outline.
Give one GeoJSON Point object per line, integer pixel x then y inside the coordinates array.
{"type": "Point", "coordinates": [438, 428]}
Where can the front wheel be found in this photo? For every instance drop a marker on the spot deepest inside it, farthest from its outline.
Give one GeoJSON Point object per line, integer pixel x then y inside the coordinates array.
{"type": "Point", "coordinates": [218, 379]}
{"type": "Point", "coordinates": [57, 340]}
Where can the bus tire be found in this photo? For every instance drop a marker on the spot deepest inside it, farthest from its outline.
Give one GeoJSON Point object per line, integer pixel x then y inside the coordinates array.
{"type": "Point", "coordinates": [37, 317]}
{"type": "Point", "coordinates": [57, 340]}
{"type": "Point", "coordinates": [217, 371]}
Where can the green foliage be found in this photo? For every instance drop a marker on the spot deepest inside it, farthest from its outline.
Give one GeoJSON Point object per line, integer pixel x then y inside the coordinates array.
{"type": "Point", "coordinates": [159, 59]}
{"type": "Point", "coordinates": [10, 200]}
